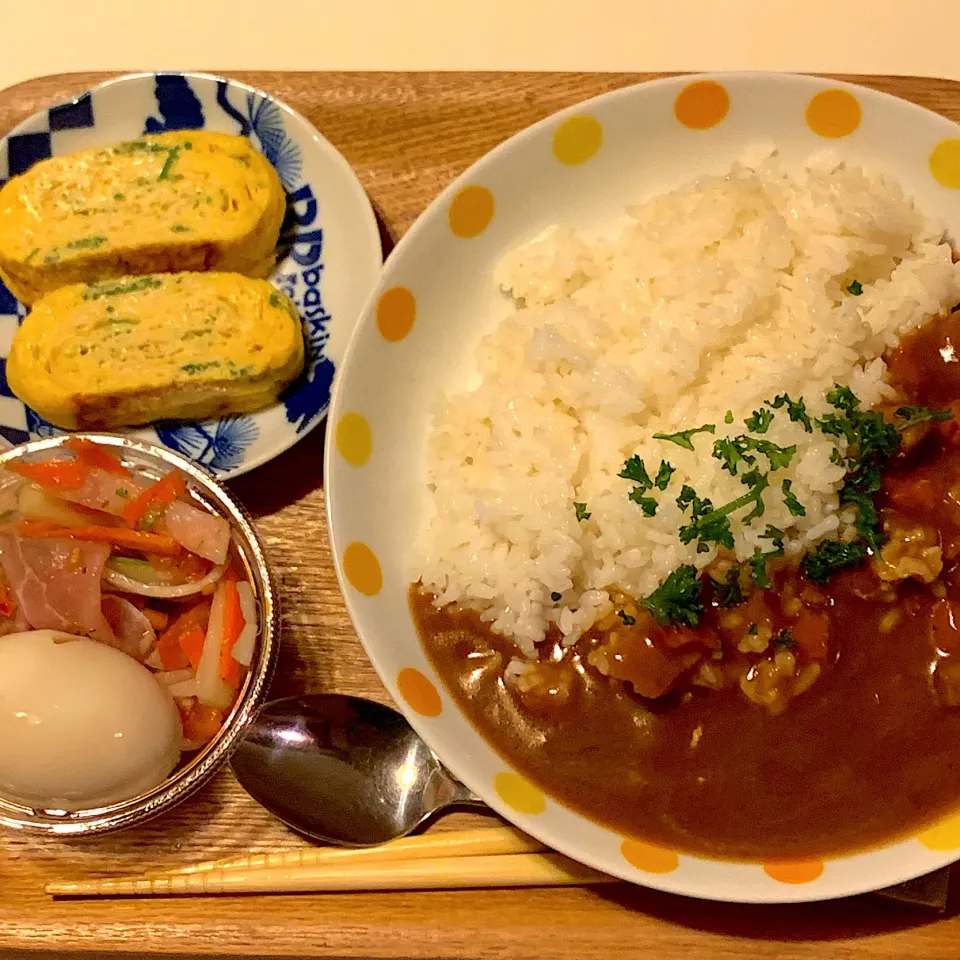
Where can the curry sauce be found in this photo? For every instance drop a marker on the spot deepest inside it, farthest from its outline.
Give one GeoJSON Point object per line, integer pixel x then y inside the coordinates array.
{"type": "Point", "coordinates": [863, 751]}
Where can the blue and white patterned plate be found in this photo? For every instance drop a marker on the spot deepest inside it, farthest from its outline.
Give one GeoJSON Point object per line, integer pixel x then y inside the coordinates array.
{"type": "Point", "coordinates": [330, 237]}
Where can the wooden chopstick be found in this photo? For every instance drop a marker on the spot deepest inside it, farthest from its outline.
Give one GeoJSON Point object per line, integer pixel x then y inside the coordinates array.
{"type": "Point", "coordinates": [447, 873]}
{"type": "Point", "coordinates": [481, 841]}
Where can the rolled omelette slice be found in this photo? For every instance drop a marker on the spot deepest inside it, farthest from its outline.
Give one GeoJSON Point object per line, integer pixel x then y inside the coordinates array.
{"type": "Point", "coordinates": [185, 200]}
{"type": "Point", "coordinates": [185, 346]}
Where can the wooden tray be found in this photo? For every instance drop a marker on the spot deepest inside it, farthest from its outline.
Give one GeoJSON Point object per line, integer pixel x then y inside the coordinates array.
{"type": "Point", "coordinates": [407, 135]}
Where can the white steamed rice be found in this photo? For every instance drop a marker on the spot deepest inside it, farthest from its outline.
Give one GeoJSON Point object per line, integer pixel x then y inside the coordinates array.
{"type": "Point", "coordinates": [714, 297]}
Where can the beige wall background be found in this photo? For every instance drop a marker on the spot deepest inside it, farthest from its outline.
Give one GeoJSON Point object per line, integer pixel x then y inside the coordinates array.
{"type": "Point", "coordinates": [850, 36]}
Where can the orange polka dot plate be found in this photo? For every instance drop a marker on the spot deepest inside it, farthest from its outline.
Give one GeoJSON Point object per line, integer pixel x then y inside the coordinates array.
{"type": "Point", "coordinates": [417, 338]}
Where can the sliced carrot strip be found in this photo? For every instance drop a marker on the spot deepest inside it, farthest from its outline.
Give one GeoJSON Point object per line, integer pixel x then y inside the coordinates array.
{"type": "Point", "coordinates": [94, 455]}
{"type": "Point", "coordinates": [53, 474]}
{"type": "Point", "coordinates": [171, 653]}
{"type": "Point", "coordinates": [191, 643]}
{"type": "Point", "coordinates": [233, 624]}
{"type": "Point", "coordinates": [118, 536]}
{"type": "Point", "coordinates": [154, 499]}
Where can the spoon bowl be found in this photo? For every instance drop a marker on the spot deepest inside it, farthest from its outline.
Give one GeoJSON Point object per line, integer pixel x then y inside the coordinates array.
{"type": "Point", "coordinates": [343, 770]}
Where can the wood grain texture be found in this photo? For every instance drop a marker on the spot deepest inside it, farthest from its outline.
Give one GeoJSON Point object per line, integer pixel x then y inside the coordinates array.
{"type": "Point", "coordinates": [407, 136]}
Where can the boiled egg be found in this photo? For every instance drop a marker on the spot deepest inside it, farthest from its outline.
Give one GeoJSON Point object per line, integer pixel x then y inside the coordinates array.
{"type": "Point", "coordinates": [82, 725]}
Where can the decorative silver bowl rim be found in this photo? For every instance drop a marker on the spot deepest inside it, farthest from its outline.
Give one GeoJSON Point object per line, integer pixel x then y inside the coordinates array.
{"type": "Point", "coordinates": [197, 771]}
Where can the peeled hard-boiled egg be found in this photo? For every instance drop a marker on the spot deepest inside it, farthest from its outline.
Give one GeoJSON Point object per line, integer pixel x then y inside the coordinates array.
{"type": "Point", "coordinates": [82, 725]}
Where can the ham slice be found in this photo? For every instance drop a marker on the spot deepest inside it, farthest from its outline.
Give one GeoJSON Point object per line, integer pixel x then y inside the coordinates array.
{"type": "Point", "coordinates": [200, 532]}
{"type": "Point", "coordinates": [57, 583]}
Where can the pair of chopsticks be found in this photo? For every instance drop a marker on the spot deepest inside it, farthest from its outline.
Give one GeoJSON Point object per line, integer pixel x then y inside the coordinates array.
{"type": "Point", "coordinates": [484, 857]}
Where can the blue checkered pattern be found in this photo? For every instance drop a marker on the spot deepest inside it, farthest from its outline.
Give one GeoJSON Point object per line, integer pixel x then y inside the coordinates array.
{"type": "Point", "coordinates": [32, 143]}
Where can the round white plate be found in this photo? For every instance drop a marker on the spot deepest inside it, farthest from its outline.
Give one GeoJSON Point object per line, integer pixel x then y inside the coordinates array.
{"type": "Point", "coordinates": [581, 167]}
{"type": "Point", "coordinates": [330, 239]}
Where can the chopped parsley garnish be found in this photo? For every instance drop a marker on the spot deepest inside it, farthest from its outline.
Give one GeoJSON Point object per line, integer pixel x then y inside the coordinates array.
{"type": "Point", "coordinates": [32, 254]}
{"type": "Point", "coordinates": [830, 557]}
{"type": "Point", "coordinates": [752, 630]}
{"type": "Point", "coordinates": [872, 441]}
{"type": "Point", "coordinates": [122, 492]}
{"type": "Point", "coordinates": [664, 474]}
{"type": "Point", "coordinates": [791, 501]}
{"type": "Point", "coordinates": [678, 598]}
{"type": "Point", "coordinates": [784, 640]}
{"type": "Point", "coordinates": [855, 288]}
{"type": "Point", "coordinates": [119, 197]}
{"type": "Point", "coordinates": [728, 417]}
{"type": "Point", "coordinates": [758, 562]}
{"type": "Point", "coordinates": [626, 618]}
{"type": "Point", "coordinates": [581, 509]}
{"type": "Point", "coordinates": [647, 504]}
{"type": "Point", "coordinates": [728, 592]}
{"type": "Point", "coordinates": [837, 457]}
{"type": "Point", "coordinates": [635, 470]}
{"type": "Point", "coordinates": [732, 453]}
{"type": "Point", "coordinates": [736, 450]}
{"type": "Point", "coordinates": [759, 421]}
{"type": "Point", "coordinates": [916, 415]}
{"type": "Point", "coordinates": [682, 438]}
{"type": "Point", "coordinates": [796, 410]}
{"type": "Point", "coordinates": [556, 596]}
{"type": "Point", "coordinates": [712, 525]}
{"type": "Point", "coordinates": [180, 228]}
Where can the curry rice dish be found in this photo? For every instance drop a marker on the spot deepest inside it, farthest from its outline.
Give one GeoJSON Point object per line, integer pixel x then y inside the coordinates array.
{"type": "Point", "coordinates": [691, 560]}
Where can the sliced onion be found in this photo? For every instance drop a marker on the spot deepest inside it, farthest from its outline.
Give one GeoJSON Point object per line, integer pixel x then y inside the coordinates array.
{"type": "Point", "coordinates": [185, 688]}
{"type": "Point", "coordinates": [211, 690]}
{"type": "Point", "coordinates": [162, 591]}
{"type": "Point", "coordinates": [243, 648]}
{"type": "Point", "coordinates": [172, 677]}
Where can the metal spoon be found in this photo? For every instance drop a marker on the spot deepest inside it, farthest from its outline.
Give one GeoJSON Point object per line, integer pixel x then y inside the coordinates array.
{"type": "Point", "coordinates": [343, 770]}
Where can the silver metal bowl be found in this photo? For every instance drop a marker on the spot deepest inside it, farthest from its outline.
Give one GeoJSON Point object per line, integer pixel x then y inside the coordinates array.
{"type": "Point", "coordinates": [152, 460]}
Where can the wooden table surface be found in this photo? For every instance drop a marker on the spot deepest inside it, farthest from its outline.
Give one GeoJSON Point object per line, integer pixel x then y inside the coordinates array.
{"type": "Point", "coordinates": [407, 136]}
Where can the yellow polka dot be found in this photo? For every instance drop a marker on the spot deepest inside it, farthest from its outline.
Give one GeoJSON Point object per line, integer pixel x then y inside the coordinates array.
{"type": "Point", "coordinates": [645, 856]}
{"type": "Point", "coordinates": [354, 440]}
{"type": "Point", "coordinates": [419, 692]}
{"type": "Point", "coordinates": [833, 113]}
{"type": "Point", "coordinates": [702, 104]}
{"type": "Point", "coordinates": [945, 163]}
{"type": "Point", "coordinates": [794, 871]}
{"type": "Point", "coordinates": [519, 794]}
{"type": "Point", "coordinates": [362, 569]}
{"type": "Point", "coordinates": [944, 835]}
{"type": "Point", "coordinates": [396, 313]}
{"type": "Point", "coordinates": [471, 211]}
{"type": "Point", "coordinates": [576, 140]}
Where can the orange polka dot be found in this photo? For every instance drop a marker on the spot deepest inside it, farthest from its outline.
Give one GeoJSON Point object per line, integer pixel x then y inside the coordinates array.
{"type": "Point", "coordinates": [354, 440]}
{"type": "Point", "coordinates": [702, 104]}
{"type": "Point", "coordinates": [419, 692]}
{"type": "Point", "coordinates": [945, 163]}
{"type": "Point", "coordinates": [576, 140]}
{"type": "Point", "coordinates": [944, 835]}
{"type": "Point", "coordinates": [471, 211]}
{"type": "Point", "coordinates": [396, 313]}
{"type": "Point", "coordinates": [519, 794]}
{"type": "Point", "coordinates": [651, 859]}
{"type": "Point", "coordinates": [794, 871]}
{"type": "Point", "coordinates": [833, 113]}
{"type": "Point", "coordinates": [362, 569]}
